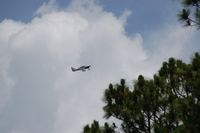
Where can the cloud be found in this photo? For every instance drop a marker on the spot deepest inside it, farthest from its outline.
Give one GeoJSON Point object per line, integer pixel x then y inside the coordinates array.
{"type": "Point", "coordinates": [47, 7]}
{"type": "Point", "coordinates": [171, 40]}
{"type": "Point", "coordinates": [7, 28]}
{"type": "Point", "coordinates": [39, 91]}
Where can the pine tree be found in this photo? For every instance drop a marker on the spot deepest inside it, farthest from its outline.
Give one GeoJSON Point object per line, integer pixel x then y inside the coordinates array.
{"type": "Point", "coordinates": [168, 103]}
{"type": "Point", "coordinates": [190, 14]}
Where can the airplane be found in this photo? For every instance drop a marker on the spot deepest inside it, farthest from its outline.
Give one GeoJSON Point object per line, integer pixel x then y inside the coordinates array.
{"type": "Point", "coordinates": [82, 68]}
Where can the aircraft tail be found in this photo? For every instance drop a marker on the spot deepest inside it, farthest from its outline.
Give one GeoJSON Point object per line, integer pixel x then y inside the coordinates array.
{"type": "Point", "coordinates": [73, 69]}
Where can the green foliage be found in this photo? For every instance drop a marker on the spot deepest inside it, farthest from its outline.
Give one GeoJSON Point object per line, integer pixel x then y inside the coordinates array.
{"type": "Point", "coordinates": [190, 14]}
{"type": "Point", "coordinates": [170, 102]}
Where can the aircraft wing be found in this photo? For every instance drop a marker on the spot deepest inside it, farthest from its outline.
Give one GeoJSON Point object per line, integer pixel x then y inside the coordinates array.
{"type": "Point", "coordinates": [83, 70]}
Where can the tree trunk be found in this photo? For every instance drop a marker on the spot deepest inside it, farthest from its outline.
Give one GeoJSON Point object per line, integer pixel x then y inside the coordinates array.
{"type": "Point", "coordinates": [149, 123]}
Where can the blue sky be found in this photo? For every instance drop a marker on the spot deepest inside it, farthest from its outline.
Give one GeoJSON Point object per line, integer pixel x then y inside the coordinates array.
{"type": "Point", "coordinates": [41, 40]}
{"type": "Point", "coordinates": [146, 15]}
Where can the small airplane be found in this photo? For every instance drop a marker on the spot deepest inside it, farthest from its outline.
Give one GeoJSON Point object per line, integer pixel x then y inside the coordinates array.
{"type": "Point", "coordinates": [82, 68]}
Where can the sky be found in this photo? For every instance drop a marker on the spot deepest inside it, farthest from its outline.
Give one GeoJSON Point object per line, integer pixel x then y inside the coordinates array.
{"type": "Point", "coordinates": [40, 40]}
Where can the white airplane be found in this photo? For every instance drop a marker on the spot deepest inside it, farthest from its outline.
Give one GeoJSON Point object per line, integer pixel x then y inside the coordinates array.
{"type": "Point", "coordinates": [82, 68]}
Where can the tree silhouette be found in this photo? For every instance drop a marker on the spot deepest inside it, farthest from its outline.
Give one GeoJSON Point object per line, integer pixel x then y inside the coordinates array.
{"type": "Point", "coordinates": [95, 128]}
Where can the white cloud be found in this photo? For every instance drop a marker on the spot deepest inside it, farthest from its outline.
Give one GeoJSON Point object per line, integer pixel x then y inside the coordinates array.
{"type": "Point", "coordinates": [170, 41]}
{"type": "Point", "coordinates": [47, 7]}
{"type": "Point", "coordinates": [7, 29]}
{"type": "Point", "coordinates": [36, 58]}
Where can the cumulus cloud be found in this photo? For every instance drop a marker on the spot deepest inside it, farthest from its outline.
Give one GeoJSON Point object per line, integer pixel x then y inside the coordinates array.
{"type": "Point", "coordinates": [47, 7]}
{"type": "Point", "coordinates": [7, 28]}
{"type": "Point", "coordinates": [170, 41]}
{"type": "Point", "coordinates": [39, 91]}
